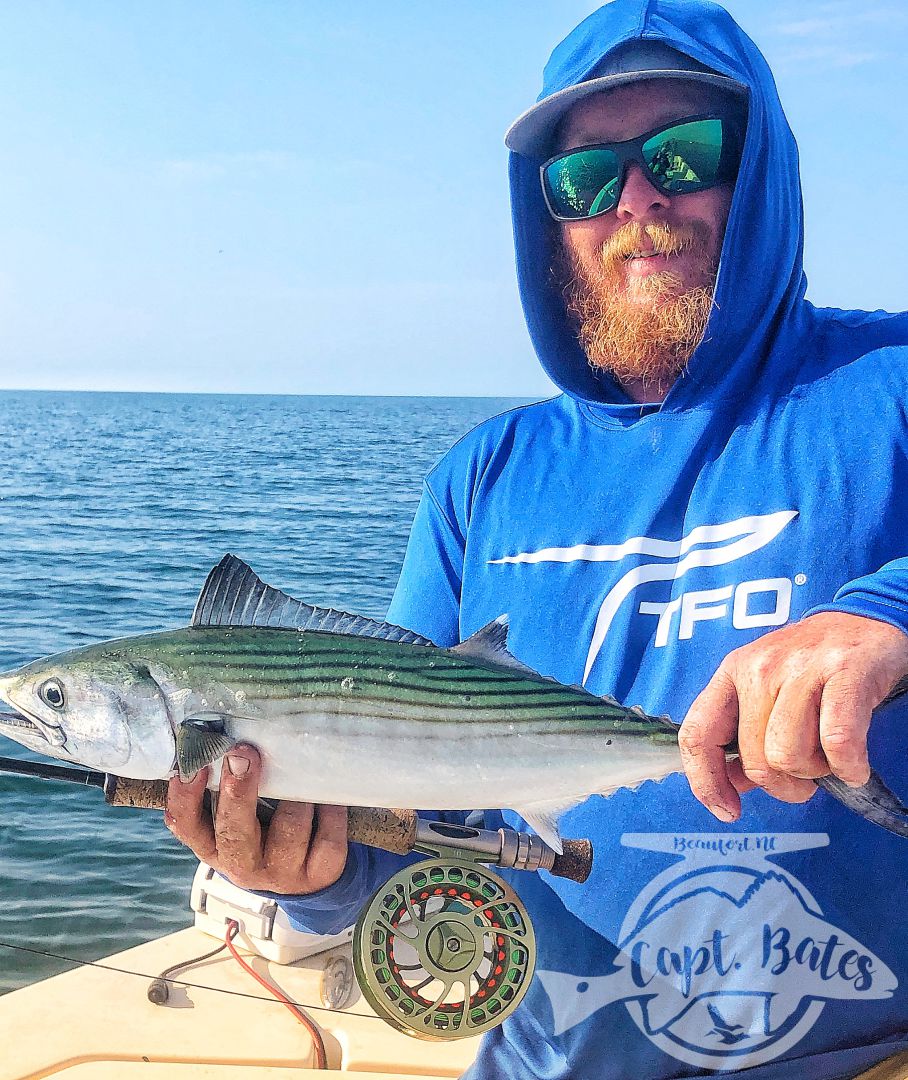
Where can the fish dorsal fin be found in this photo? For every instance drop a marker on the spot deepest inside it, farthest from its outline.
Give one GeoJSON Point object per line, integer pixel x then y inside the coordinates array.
{"type": "Point", "coordinates": [490, 646]}
{"type": "Point", "coordinates": [234, 595]}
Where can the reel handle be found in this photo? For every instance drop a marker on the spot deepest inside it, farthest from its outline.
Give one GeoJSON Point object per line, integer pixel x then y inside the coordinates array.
{"type": "Point", "coordinates": [393, 830]}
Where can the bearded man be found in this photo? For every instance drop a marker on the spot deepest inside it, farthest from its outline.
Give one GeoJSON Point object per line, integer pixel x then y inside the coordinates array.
{"type": "Point", "coordinates": [709, 520]}
{"type": "Point", "coordinates": [640, 279]}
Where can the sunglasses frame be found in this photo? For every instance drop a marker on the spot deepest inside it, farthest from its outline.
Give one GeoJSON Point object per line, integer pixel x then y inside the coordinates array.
{"type": "Point", "coordinates": [631, 150]}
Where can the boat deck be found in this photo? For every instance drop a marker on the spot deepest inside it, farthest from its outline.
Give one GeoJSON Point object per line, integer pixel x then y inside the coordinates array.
{"type": "Point", "coordinates": [96, 1024]}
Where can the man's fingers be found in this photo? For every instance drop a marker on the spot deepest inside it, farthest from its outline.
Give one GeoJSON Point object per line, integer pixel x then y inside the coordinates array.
{"type": "Point", "coordinates": [738, 778]}
{"type": "Point", "coordinates": [708, 727]}
{"type": "Point", "coordinates": [287, 840]}
{"type": "Point", "coordinates": [305, 847]}
{"type": "Point", "coordinates": [237, 830]}
{"type": "Point", "coordinates": [328, 849]}
{"type": "Point", "coordinates": [757, 704]}
{"type": "Point", "coordinates": [187, 818]}
{"type": "Point", "coordinates": [845, 713]}
{"type": "Point", "coordinates": [792, 742]}
{"type": "Point", "coordinates": [303, 850]}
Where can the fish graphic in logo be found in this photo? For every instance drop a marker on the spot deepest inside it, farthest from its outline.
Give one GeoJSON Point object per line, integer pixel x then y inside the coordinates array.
{"type": "Point", "coordinates": [705, 545]}
{"type": "Point", "coordinates": [726, 960]}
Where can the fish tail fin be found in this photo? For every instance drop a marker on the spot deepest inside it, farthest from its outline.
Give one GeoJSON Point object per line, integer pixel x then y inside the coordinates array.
{"type": "Point", "coordinates": [873, 801]}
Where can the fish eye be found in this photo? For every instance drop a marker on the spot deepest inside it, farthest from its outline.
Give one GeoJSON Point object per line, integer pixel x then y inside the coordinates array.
{"type": "Point", "coordinates": [51, 693]}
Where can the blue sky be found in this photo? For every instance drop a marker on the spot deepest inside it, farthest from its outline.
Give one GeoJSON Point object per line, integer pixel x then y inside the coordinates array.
{"type": "Point", "coordinates": [273, 197]}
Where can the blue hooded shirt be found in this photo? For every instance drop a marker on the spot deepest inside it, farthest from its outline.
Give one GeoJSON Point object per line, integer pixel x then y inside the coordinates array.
{"type": "Point", "coordinates": [633, 547]}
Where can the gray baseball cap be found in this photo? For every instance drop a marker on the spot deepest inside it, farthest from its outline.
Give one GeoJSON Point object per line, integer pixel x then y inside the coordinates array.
{"type": "Point", "coordinates": [531, 133]}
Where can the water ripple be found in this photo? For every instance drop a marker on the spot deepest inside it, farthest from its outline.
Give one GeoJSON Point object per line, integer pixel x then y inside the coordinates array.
{"type": "Point", "coordinates": [113, 507]}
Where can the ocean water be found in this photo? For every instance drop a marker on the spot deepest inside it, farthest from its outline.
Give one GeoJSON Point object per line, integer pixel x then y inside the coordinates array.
{"type": "Point", "coordinates": [113, 508]}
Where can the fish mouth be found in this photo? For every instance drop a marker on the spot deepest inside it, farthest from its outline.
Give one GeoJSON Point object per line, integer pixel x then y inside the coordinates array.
{"type": "Point", "coordinates": [24, 722]}
{"type": "Point", "coordinates": [27, 725]}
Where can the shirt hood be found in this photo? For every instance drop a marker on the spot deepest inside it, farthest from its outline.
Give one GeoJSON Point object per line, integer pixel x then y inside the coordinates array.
{"type": "Point", "coordinates": [761, 282]}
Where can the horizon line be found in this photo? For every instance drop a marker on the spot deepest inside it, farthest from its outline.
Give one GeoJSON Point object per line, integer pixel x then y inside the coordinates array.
{"type": "Point", "coordinates": [263, 393]}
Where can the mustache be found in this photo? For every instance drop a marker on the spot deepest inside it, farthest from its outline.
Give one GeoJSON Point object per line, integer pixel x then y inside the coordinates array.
{"type": "Point", "coordinates": [650, 338]}
{"type": "Point", "coordinates": [654, 238]}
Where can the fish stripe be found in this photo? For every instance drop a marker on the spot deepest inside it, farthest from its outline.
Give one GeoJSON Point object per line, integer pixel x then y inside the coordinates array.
{"type": "Point", "coordinates": [440, 659]}
{"type": "Point", "coordinates": [280, 665]}
{"type": "Point", "coordinates": [328, 662]}
{"type": "Point", "coordinates": [389, 692]}
{"type": "Point", "coordinates": [606, 720]}
{"type": "Point", "coordinates": [282, 678]}
{"type": "Point", "coordinates": [446, 669]}
{"type": "Point", "coordinates": [473, 720]}
{"type": "Point", "coordinates": [276, 669]}
{"type": "Point", "coordinates": [301, 681]}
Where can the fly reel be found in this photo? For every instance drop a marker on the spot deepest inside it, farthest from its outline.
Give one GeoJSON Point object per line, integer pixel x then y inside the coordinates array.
{"type": "Point", "coordinates": [444, 949]}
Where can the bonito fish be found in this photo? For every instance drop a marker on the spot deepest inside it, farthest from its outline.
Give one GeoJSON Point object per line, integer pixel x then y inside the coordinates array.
{"type": "Point", "coordinates": [343, 709]}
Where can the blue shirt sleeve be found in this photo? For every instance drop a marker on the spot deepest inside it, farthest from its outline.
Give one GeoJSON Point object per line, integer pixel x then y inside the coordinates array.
{"type": "Point", "coordinates": [427, 598]}
{"type": "Point", "coordinates": [337, 906]}
{"type": "Point", "coordinates": [882, 595]}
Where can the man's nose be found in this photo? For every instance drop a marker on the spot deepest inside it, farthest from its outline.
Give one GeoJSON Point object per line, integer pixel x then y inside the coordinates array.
{"type": "Point", "coordinates": [639, 197]}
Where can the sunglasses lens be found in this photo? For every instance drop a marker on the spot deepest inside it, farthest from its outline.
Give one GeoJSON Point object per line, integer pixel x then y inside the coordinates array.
{"type": "Point", "coordinates": [583, 183]}
{"type": "Point", "coordinates": [685, 157]}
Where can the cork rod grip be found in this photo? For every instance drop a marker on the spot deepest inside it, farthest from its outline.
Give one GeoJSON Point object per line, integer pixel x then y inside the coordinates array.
{"type": "Point", "coordinates": [394, 830]}
{"type": "Point", "coordinates": [145, 794]}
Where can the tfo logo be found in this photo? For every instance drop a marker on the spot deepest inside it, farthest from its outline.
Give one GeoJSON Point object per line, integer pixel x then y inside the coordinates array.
{"type": "Point", "coordinates": [751, 603]}
{"type": "Point", "coordinates": [669, 560]}
{"type": "Point", "coordinates": [726, 960]}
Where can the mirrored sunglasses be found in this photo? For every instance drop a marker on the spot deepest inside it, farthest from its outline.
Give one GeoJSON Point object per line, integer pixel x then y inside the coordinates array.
{"type": "Point", "coordinates": [690, 154]}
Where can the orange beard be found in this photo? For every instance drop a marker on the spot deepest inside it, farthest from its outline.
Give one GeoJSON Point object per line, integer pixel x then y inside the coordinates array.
{"type": "Point", "coordinates": [643, 331]}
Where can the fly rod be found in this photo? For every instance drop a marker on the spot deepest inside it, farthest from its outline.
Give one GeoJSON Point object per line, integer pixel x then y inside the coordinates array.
{"type": "Point", "coordinates": [400, 831]}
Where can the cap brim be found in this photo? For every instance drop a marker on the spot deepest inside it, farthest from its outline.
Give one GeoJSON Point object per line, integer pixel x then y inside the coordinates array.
{"type": "Point", "coordinates": [531, 133]}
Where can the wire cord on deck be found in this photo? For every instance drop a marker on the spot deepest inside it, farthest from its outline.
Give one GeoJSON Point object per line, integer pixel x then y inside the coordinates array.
{"type": "Point", "coordinates": [182, 982]}
{"type": "Point", "coordinates": [321, 1057]}
{"type": "Point", "coordinates": [159, 989]}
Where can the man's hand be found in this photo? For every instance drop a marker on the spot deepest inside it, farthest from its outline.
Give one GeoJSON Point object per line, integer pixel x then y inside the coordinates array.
{"type": "Point", "coordinates": [303, 849]}
{"type": "Point", "coordinates": [799, 701]}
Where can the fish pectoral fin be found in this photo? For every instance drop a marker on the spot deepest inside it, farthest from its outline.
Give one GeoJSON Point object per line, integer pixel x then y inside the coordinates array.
{"type": "Point", "coordinates": [200, 741]}
{"type": "Point", "coordinates": [542, 817]}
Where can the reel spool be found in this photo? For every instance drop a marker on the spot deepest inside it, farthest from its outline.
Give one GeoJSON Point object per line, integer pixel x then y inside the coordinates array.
{"type": "Point", "coordinates": [444, 949]}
